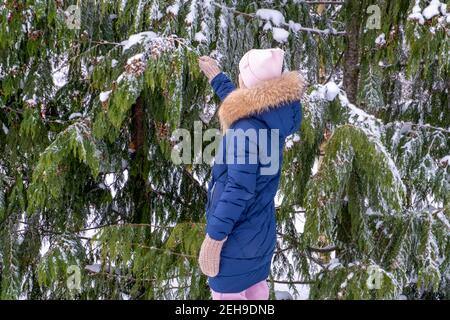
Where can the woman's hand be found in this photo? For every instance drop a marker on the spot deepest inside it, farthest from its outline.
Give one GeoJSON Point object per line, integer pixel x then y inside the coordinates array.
{"type": "Point", "coordinates": [209, 67]}
{"type": "Point", "coordinates": [209, 258]}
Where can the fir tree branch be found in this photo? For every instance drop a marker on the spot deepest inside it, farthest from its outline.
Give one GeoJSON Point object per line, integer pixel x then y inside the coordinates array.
{"type": "Point", "coordinates": [188, 256]}
{"type": "Point", "coordinates": [335, 67]}
{"type": "Point", "coordinates": [134, 280]}
{"type": "Point", "coordinates": [324, 249]}
{"type": "Point", "coordinates": [441, 217]}
{"type": "Point", "coordinates": [315, 260]}
{"type": "Point", "coordinates": [283, 250]}
{"type": "Point", "coordinates": [19, 111]}
{"type": "Point", "coordinates": [427, 126]}
{"type": "Point", "coordinates": [302, 29]}
{"type": "Point", "coordinates": [293, 282]}
{"type": "Point", "coordinates": [192, 178]}
{"type": "Point", "coordinates": [322, 2]}
{"type": "Point", "coordinates": [236, 12]}
{"type": "Point", "coordinates": [294, 211]}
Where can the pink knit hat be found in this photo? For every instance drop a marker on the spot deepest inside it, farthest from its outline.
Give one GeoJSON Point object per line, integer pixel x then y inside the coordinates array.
{"type": "Point", "coordinates": [260, 65]}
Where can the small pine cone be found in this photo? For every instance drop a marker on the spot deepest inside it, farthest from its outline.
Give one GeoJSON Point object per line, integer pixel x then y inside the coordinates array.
{"type": "Point", "coordinates": [162, 131]}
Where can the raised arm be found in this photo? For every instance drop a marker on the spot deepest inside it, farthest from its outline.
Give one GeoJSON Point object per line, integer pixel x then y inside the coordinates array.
{"type": "Point", "coordinates": [221, 84]}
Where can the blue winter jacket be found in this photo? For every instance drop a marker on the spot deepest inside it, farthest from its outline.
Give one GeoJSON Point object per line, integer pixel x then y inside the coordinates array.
{"type": "Point", "coordinates": [241, 193]}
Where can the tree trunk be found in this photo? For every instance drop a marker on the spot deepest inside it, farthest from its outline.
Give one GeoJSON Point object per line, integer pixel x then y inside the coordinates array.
{"type": "Point", "coordinates": [138, 172]}
{"type": "Point", "coordinates": [351, 55]}
{"type": "Point", "coordinates": [137, 125]}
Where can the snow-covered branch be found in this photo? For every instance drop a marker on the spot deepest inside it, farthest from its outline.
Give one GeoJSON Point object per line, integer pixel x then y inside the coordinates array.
{"type": "Point", "coordinates": [322, 2]}
{"type": "Point", "coordinates": [268, 15]}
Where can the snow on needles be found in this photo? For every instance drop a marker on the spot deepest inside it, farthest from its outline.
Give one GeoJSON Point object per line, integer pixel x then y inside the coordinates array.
{"type": "Point", "coordinates": [374, 129]}
{"type": "Point", "coordinates": [367, 122]}
{"type": "Point", "coordinates": [381, 40]}
{"type": "Point", "coordinates": [174, 8]}
{"type": "Point", "coordinates": [137, 38]}
{"type": "Point", "coordinates": [75, 115]}
{"type": "Point", "coordinates": [435, 8]}
{"type": "Point", "coordinates": [275, 16]}
{"type": "Point", "coordinates": [104, 96]}
{"type": "Point", "coordinates": [331, 90]}
{"type": "Point", "coordinates": [432, 10]}
{"type": "Point", "coordinates": [136, 57]}
{"type": "Point", "coordinates": [280, 35]}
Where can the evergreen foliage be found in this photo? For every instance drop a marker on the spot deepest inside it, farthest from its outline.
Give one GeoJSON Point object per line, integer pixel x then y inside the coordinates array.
{"type": "Point", "coordinates": [86, 117]}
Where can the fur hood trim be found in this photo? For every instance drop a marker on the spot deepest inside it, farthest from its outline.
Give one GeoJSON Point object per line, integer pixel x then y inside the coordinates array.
{"type": "Point", "coordinates": [244, 102]}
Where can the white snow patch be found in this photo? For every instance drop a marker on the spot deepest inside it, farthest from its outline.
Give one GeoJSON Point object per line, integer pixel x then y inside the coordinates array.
{"type": "Point", "coordinates": [137, 38]}
{"type": "Point", "coordinates": [443, 9]}
{"type": "Point", "coordinates": [365, 121]}
{"type": "Point", "coordinates": [60, 70]}
{"type": "Point", "coordinates": [432, 10]}
{"type": "Point", "coordinates": [443, 219]}
{"type": "Point", "coordinates": [294, 26]}
{"type": "Point", "coordinates": [331, 90]}
{"type": "Point", "coordinates": [334, 263]}
{"type": "Point", "coordinates": [416, 14]}
{"type": "Point", "coordinates": [93, 268]}
{"type": "Point", "coordinates": [174, 8]}
{"type": "Point", "coordinates": [417, 8]}
{"type": "Point", "coordinates": [191, 16]}
{"type": "Point", "coordinates": [445, 161]}
{"type": "Point", "coordinates": [223, 22]}
{"type": "Point", "coordinates": [120, 78]}
{"type": "Point", "coordinates": [156, 14]}
{"type": "Point", "coordinates": [267, 26]}
{"type": "Point", "coordinates": [381, 40]}
{"type": "Point", "coordinates": [280, 35]}
{"type": "Point", "coordinates": [31, 102]}
{"type": "Point", "coordinates": [60, 77]}
{"type": "Point", "coordinates": [200, 37]}
{"type": "Point", "coordinates": [104, 96]}
{"type": "Point", "coordinates": [273, 15]}
{"type": "Point", "coordinates": [283, 295]}
{"type": "Point", "coordinates": [290, 140]}
{"type": "Point", "coordinates": [417, 17]}
{"type": "Point", "coordinates": [135, 57]}
{"type": "Point", "coordinates": [379, 224]}
{"type": "Point", "coordinates": [5, 128]}
{"type": "Point", "coordinates": [75, 115]}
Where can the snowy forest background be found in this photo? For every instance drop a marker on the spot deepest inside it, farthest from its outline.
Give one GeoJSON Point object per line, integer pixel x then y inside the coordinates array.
{"type": "Point", "coordinates": [92, 207]}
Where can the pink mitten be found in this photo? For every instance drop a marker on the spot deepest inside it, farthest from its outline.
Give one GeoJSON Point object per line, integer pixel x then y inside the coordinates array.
{"type": "Point", "coordinates": [209, 258]}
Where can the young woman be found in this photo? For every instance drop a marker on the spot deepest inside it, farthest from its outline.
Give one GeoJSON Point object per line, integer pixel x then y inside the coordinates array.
{"type": "Point", "coordinates": [240, 237]}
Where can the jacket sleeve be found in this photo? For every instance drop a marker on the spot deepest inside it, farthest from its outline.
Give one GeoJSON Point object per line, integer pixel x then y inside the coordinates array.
{"type": "Point", "coordinates": [240, 185]}
{"type": "Point", "coordinates": [222, 85]}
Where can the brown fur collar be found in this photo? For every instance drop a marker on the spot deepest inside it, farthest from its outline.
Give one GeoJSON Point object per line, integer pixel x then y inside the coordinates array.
{"type": "Point", "coordinates": [244, 102]}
